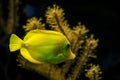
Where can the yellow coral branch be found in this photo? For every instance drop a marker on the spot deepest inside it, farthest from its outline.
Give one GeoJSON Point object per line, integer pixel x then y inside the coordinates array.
{"type": "Point", "coordinates": [34, 23]}
{"type": "Point", "coordinates": [55, 18]}
{"type": "Point", "coordinates": [94, 72]}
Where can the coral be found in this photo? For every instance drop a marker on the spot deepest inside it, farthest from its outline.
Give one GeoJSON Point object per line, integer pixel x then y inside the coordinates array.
{"type": "Point", "coordinates": [9, 18]}
{"type": "Point", "coordinates": [12, 16]}
{"type": "Point", "coordinates": [34, 23]}
{"type": "Point", "coordinates": [83, 45]}
{"type": "Point", "coordinates": [94, 72]}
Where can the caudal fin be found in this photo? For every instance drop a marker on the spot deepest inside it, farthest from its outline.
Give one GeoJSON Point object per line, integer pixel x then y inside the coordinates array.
{"type": "Point", "coordinates": [15, 43]}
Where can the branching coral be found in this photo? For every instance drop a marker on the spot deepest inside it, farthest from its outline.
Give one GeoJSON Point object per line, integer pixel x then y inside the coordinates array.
{"type": "Point", "coordinates": [94, 72]}
{"type": "Point", "coordinates": [82, 44]}
{"type": "Point", "coordinates": [34, 23]}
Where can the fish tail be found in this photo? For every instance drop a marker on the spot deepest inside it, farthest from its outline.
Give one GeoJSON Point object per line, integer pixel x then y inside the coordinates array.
{"type": "Point", "coordinates": [15, 43]}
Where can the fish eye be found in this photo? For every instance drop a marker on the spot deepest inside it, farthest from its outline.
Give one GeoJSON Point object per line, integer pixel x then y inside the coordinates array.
{"type": "Point", "coordinates": [67, 46]}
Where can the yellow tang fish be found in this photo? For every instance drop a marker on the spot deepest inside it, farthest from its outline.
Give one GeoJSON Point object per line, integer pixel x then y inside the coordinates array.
{"type": "Point", "coordinates": [42, 46]}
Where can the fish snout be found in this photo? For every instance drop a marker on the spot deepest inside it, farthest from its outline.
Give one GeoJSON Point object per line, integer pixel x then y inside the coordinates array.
{"type": "Point", "coordinates": [72, 55]}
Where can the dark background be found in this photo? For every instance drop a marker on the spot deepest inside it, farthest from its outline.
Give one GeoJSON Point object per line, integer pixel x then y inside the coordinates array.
{"type": "Point", "coordinates": [101, 18]}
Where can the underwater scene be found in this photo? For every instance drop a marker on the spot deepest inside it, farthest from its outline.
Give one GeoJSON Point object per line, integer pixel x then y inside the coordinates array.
{"type": "Point", "coordinates": [59, 40]}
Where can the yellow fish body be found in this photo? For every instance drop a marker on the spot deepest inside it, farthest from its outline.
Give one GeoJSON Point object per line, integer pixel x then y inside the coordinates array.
{"type": "Point", "coordinates": [42, 46]}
